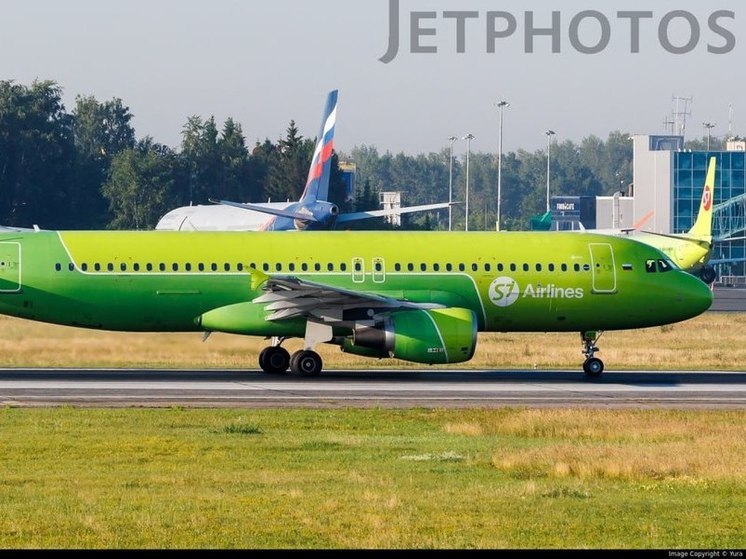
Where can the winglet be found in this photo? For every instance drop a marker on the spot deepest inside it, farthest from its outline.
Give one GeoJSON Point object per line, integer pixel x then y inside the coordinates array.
{"type": "Point", "coordinates": [317, 185]}
{"type": "Point", "coordinates": [703, 226]}
{"type": "Point", "coordinates": [257, 278]}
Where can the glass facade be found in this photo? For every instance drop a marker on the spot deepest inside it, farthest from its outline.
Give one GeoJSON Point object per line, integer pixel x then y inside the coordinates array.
{"type": "Point", "coordinates": [689, 175]}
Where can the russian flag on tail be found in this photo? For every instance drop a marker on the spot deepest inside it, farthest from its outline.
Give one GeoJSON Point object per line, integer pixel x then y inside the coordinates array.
{"type": "Point", "coordinates": [317, 185]}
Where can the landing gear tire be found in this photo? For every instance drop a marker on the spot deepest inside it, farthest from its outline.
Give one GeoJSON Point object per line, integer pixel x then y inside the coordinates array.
{"type": "Point", "coordinates": [306, 364]}
{"type": "Point", "coordinates": [274, 360]}
{"type": "Point", "coordinates": [593, 367]}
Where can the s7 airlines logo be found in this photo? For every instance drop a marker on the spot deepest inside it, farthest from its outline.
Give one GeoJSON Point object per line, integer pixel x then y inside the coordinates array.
{"type": "Point", "coordinates": [504, 292]}
{"type": "Point", "coordinates": [707, 199]}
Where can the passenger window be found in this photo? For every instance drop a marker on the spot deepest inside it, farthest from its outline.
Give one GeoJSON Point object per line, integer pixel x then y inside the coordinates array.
{"type": "Point", "coordinates": [227, 267]}
{"type": "Point", "coordinates": [526, 267]}
{"type": "Point", "coordinates": [330, 267]}
{"type": "Point", "coordinates": [564, 267]}
{"type": "Point", "coordinates": [265, 267]}
{"type": "Point", "coordinates": [84, 267]}
{"type": "Point", "coordinates": [475, 267]}
{"type": "Point", "coordinates": [343, 267]}
{"type": "Point", "coordinates": [97, 267]}
{"type": "Point", "coordinates": [551, 267]}
{"type": "Point", "coordinates": [397, 267]}
{"type": "Point", "coordinates": [436, 267]}
{"type": "Point", "coordinates": [449, 267]}
{"type": "Point", "coordinates": [423, 267]}
{"type": "Point", "coordinates": [162, 267]}
{"type": "Point", "coordinates": [410, 267]}
{"type": "Point", "coordinates": [149, 267]}
{"type": "Point", "coordinates": [71, 267]}
{"type": "Point", "coordinates": [278, 267]}
{"type": "Point", "coordinates": [188, 267]}
{"type": "Point", "coordinates": [538, 268]}
{"type": "Point", "coordinates": [378, 267]}
{"type": "Point", "coordinates": [291, 267]}
{"type": "Point", "coordinates": [513, 268]}
{"type": "Point", "coordinates": [201, 267]}
{"type": "Point", "coordinates": [123, 267]}
{"type": "Point", "coordinates": [500, 268]}
{"type": "Point", "coordinates": [58, 267]}
{"type": "Point", "coordinates": [304, 267]}
{"type": "Point", "coordinates": [462, 267]}
{"type": "Point", "coordinates": [175, 267]}
{"type": "Point", "coordinates": [110, 267]}
{"type": "Point", "coordinates": [317, 267]}
{"type": "Point", "coordinates": [576, 267]}
{"type": "Point", "coordinates": [487, 268]}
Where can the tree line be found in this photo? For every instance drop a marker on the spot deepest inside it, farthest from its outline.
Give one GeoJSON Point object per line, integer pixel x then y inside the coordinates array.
{"type": "Point", "coordinates": [86, 169]}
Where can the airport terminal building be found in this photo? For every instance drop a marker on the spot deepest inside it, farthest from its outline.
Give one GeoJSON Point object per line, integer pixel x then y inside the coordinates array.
{"type": "Point", "coordinates": [665, 197]}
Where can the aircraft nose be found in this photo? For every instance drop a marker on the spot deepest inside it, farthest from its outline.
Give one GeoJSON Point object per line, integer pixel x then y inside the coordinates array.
{"type": "Point", "coordinates": [696, 296]}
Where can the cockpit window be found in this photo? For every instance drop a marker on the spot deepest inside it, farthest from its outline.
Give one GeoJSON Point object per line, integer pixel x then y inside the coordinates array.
{"type": "Point", "coordinates": [664, 266]}
{"type": "Point", "coordinates": [659, 266]}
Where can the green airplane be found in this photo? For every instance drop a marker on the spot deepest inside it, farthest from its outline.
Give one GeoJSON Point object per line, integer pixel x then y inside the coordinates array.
{"type": "Point", "coordinates": [691, 250]}
{"type": "Point", "coordinates": [417, 296]}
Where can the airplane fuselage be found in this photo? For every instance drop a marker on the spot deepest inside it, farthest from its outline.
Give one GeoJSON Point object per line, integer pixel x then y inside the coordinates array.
{"type": "Point", "coordinates": [165, 281]}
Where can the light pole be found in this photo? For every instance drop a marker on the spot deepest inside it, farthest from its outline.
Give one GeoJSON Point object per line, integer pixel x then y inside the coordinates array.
{"type": "Point", "coordinates": [709, 126]}
{"type": "Point", "coordinates": [502, 105]}
{"type": "Point", "coordinates": [468, 138]}
{"type": "Point", "coordinates": [549, 134]}
{"type": "Point", "coordinates": [452, 139]}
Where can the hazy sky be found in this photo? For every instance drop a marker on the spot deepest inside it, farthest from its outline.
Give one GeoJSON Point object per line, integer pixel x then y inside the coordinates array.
{"type": "Point", "coordinates": [265, 63]}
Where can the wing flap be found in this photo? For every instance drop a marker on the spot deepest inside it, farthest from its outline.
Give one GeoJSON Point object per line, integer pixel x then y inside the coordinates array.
{"type": "Point", "coordinates": [290, 297]}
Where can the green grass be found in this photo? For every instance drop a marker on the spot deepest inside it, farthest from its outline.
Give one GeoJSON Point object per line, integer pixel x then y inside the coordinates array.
{"type": "Point", "coordinates": [313, 479]}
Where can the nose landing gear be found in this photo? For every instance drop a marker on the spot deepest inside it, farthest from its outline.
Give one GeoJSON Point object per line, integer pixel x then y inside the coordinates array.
{"type": "Point", "coordinates": [593, 366]}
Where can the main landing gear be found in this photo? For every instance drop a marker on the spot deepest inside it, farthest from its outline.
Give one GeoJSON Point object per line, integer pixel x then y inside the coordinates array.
{"type": "Point", "coordinates": [276, 360]}
{"type": "Point", "coordinates": [593, 366]}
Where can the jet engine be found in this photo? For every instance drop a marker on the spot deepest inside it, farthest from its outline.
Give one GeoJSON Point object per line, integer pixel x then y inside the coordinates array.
{"type": "Point", "coordinates": [432, 337]}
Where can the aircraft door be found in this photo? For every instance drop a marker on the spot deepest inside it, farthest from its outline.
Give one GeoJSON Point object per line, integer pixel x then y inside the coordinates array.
{"type": "Point", "coordinates": [10, 267]}
{"type": "Point", "coordinates": [603, 269]}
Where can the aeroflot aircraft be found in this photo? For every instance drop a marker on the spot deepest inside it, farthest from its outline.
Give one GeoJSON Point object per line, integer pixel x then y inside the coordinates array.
{"type": "Point", "coordinates": [419, 297]}
{"type": "Point", "coordinates": [312, 211]}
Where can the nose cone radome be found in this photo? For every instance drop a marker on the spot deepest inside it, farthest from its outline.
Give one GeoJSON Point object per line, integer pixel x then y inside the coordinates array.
{"type": "Point", "coordinates": [695, 296]}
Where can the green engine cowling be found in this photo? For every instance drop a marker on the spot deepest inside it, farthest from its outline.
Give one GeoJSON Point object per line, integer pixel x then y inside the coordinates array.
{"type": "Point", "coordinates": [432, 337]}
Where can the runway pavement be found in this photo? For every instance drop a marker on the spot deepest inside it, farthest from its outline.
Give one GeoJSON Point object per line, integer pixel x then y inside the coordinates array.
{"type": "Point", "coordinates": [369, 389]}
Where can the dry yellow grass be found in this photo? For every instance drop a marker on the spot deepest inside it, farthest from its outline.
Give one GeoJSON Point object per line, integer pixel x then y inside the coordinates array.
{"type": "Point", "coordinates": [632, 446]}
{"type": "Point", "coordinates": [714, 341]}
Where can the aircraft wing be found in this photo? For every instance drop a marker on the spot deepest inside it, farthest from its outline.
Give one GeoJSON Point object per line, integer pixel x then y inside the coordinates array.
{"type": "Point", "coordinates": [270, 211]}
{"type": "Point", "coordinates": [289, 297]}
{"type": "Point", "coordinates": [346, 218]}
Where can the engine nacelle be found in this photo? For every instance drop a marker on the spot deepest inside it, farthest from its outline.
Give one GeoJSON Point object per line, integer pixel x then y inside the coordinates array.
{"type": "Point", "coordinates": [433, 337]}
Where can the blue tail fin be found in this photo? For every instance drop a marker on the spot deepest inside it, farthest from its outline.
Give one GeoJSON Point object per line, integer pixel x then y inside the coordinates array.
{"type": "Point", "coordinates": [317, 185]}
